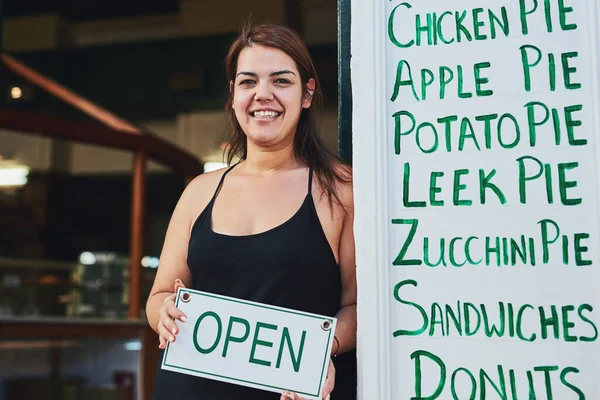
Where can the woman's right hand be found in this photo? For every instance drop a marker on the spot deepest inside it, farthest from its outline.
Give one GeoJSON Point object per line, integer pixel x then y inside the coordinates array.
{"type": "Point", "coordinates": [167, 329]}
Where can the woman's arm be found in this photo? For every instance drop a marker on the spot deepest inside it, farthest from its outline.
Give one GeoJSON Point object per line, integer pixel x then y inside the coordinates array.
{"type": "Point", "coordinates": [173, 264]}
{"type": "Point", "coordinates": [346, 324]}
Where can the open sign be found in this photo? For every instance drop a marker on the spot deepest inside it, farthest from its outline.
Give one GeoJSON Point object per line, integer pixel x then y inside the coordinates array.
{"type": "Point", "coordinates": [251, 344]}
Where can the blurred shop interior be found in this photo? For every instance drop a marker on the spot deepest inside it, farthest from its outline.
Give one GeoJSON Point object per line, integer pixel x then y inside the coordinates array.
{"type": "Point", "coordinates": [107, 109]}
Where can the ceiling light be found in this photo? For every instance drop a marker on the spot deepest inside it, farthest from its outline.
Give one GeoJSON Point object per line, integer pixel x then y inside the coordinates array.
{"type": "Point", "coordinates": [12, 174]}
{"type": "Point", "coordinates": [87, 258]}
{"type": "Point", "coordinates": [16, 92]}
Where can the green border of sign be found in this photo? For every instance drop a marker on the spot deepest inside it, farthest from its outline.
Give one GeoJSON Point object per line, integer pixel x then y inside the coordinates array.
{"type": "Point", "coordinates": [325, 360]}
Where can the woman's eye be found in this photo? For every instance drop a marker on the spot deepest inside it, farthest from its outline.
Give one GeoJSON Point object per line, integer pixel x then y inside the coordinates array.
{"type": "Point", "coordinates": [247, 82]}
{"type": "Point", "coordinates": [281, 80]}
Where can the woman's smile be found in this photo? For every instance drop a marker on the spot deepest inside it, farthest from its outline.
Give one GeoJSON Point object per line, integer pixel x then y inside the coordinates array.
{"type": "Point", "coordinates": [265, 115]}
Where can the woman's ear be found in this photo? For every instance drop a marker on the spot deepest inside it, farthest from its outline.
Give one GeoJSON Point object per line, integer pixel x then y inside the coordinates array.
{"type": "Point", "coordinates": [310, 89]}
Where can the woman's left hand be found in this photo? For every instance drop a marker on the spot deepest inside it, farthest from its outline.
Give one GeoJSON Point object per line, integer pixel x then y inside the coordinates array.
{"type": "Point", "coordinates": [327, 388]}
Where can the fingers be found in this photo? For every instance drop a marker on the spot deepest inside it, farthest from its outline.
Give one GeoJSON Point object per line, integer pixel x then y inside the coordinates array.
{"type": "Point", "coordinates": [287, 395]}
{"type": "Point", "coordinates": [164, 336]}
{"type": "Point", "coordinates": [174, 313]}
{"type": "Point", "coordinates": [329, 381]}
{"type": "Point", "coordinates": [170, 329]}
{"type": "Point", "coordinates": [171, 311]}
{"type": "Point", "coordinates": [167, 328]}
{"type": "Point", "coordinates": [162, 343]}
{"type": "Point", "coordinates": [327, 387]}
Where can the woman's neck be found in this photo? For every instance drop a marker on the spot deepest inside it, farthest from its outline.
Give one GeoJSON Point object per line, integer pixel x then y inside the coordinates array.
{"type": "Point", "coordinates": [260, 160]}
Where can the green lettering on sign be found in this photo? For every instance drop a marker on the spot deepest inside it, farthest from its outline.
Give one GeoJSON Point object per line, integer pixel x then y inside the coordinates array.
{"type": "Point", "coordinates": [217, 339]}
{"type": "Point", "coordinates": [285, 338]}
{"type": "Point", "coordinates": [256, 342]}
{"type": "Point", "coordinates": [230, 338]}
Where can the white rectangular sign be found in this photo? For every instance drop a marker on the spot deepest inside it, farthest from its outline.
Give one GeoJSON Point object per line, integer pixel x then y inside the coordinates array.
{"type": "Point", "coordinates": [477, 182]}
{"type": "Point", "coordinates": [251, 344]}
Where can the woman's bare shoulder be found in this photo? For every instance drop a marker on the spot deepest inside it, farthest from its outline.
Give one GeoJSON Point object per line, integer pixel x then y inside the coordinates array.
{"type": "Point", "coordinates": [201, 189]}
{"type": "Point", "coordinates": [204, 181]}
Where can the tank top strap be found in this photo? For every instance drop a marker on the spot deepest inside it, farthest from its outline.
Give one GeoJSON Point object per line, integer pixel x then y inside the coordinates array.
{"type": "Point", "coordinates": [310, 179]}
{"type": "Point", "coordinates": [221, 183]}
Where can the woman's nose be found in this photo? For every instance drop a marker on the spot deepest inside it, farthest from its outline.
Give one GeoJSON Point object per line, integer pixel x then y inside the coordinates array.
{"type": "Point", "coordinates": [263, 92]}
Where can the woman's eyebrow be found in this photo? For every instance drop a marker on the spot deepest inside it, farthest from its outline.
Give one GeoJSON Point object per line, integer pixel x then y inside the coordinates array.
{"type": "Point", "coordinates": [285, 71]}
{"type": "Point", "coordinates": [254, 74]}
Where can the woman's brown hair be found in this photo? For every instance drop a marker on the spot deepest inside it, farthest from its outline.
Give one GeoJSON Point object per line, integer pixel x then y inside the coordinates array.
{"type": "Point", "coordinates": [308, 145]}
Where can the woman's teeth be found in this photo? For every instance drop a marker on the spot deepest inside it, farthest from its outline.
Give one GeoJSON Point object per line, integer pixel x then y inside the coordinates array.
{"type": "Point", "coordinates": [265, 114]}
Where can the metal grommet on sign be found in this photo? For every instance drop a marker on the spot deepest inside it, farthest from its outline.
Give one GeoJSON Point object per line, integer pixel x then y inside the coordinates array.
{"type": "Point", "coordinates": [326, 325]}
{"type": "Point", "coordinates": [186, 297]}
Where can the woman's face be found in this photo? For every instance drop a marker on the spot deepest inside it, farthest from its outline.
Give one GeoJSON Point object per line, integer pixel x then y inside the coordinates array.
{"type": "Point", "coordinates": [268, 96]}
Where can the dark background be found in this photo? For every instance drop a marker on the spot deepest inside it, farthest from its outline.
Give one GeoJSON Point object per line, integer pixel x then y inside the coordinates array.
{"type": "Point", "coordinates": [58, 215]}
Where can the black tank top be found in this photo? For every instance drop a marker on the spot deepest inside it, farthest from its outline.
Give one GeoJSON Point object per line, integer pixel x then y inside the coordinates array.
{"type": "Point", "coordinates": [291, 265]}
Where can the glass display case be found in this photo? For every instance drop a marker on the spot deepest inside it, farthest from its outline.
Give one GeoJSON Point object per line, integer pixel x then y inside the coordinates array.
{"type": "Point", "coordinates": [31, 287]}
{"type": "Point", "coordinates": [65, 332]}
{"type": "Point", "coordinates": [76, 359]}
{"type": "Point", "coordinates": [94, 286]}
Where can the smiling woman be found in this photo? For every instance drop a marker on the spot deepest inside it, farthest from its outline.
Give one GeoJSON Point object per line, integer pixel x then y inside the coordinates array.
{"type": "Point", "coordinates": [267, 104]}
{"type": "Point", "coordinates": [275, 228]}
{"type": "Point", "coordinates": [268, 46]}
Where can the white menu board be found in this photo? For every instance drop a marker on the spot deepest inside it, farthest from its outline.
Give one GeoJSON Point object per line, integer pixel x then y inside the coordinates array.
{"type": "Point", "coordinates": [476, 168]}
